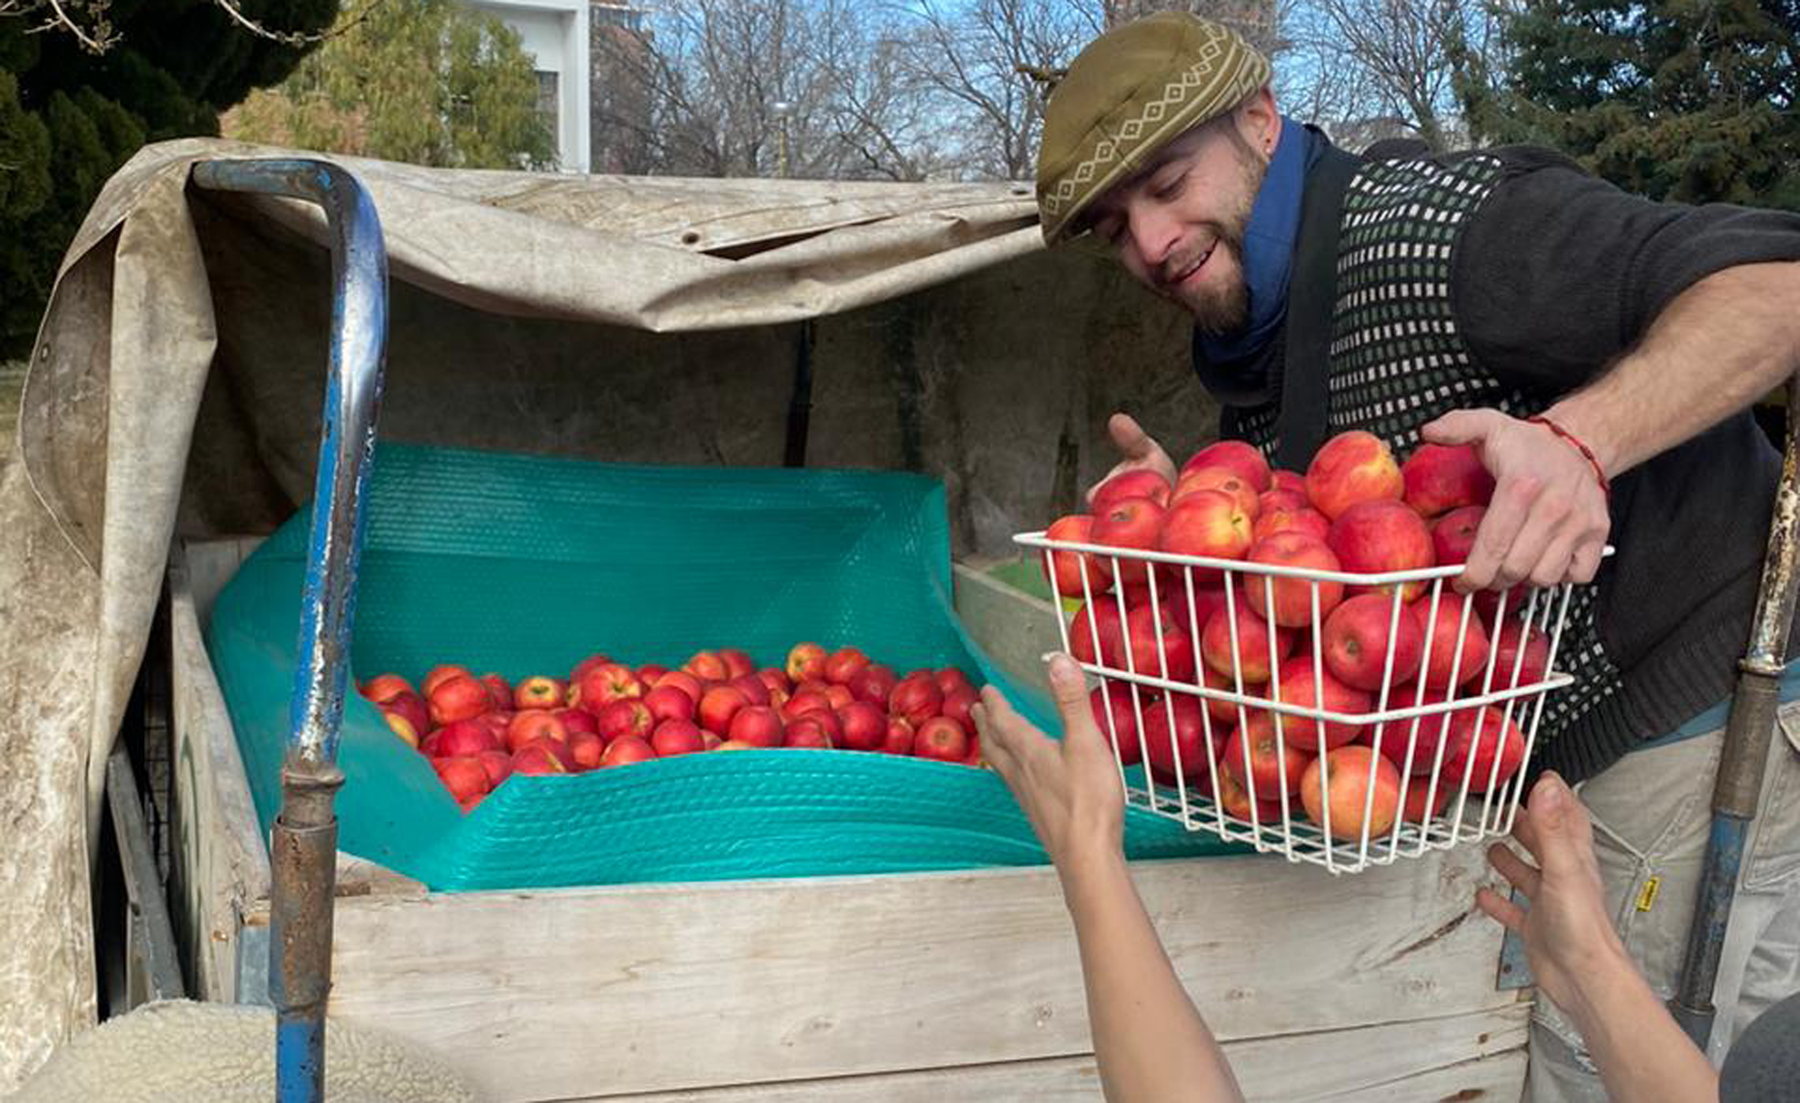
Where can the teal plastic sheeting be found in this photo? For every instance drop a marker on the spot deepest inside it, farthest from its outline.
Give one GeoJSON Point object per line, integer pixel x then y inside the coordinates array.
{"type": "Point", "coordinates": [525, 565]}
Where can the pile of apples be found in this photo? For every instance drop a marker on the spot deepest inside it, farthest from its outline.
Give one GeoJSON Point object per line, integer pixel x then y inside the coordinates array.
{"type": "Point", "coordinates": [1357, 510]}
{"type": "Point", "coordinates": [478, 731]}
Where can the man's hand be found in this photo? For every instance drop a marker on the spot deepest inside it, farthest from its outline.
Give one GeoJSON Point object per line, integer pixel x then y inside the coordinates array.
{"type": "Point", "coordinates": [1070, 789]}
{"type": "Point", "coordinates": [1548, 520]}
{"type": "Point", "coordinates": [1141, 452]}
{"type": "Point", "coordinates": [1569, 939]}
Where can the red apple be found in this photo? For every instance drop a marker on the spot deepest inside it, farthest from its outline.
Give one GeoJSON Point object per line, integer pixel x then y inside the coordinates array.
{"type": "Point", "coordinates": [1453, 534]}
{"type": "Point", "coordinates": [1188, 746]}
{"type": "Point", "coordinates": [1252, 655]}
{"type": "Point", "coordinates": [1298, 684]}
{"type": "Point", "coordinates": [738, 663]}
{"type": "Point", "coordinates": [1115, 697]}
{"type": "Point", "coordinates": [899, 738]}
{"type": "Point", "coordinates": [605, 684]}
{"type": "Point", "coordinates": [803, 702]}
{"type": "Point", "coordinates": [1380, 536]}
{"type": "Point", "coordinates": [1486, 745]}
{"type": "Point", "coordinates": [621, 718]}
{"type": "Point", "coordinates": [1342, 787]}
{"type": "Point", "coordinates": [1236, 455]}
{"type": "Point", "coordinates": [1442, 477]}
{"type": "Point", "coordinates": [1352, 467]}
{"type": "Point", "coordinates": [1510, 668]}
{"type": "Point", "coordinates": [587, 750]}
{"type": "Point", "coordinates": [873, 683]}
{"type": "Point", "coordinates": [1064, 569]}
{"type": "Point", "coordinates": [628, 749]}
{"type": "Point", "coordinates": [1206, 523]}
{"type": "Point", "coordinates": [683, 681]}
{"type": "Point", "coordinates": [1261, 762]}
{"type": "Point", "coordinates": [676, 737]}
{"type": "Point", "coordinates": [498, 765]}
{"type": "Point", "coordinates": [464, 738]}
{"type": "Point", "coordinates": [668, 702]}
{"type": "Point", "coordinates": [1358, 642]}
{"type": "Point", "coordinates": [1443, 659]}
{"type": "Point", "coordinates": [1133, 523]}
{"type": "Point", "coordinates": [463, 775]}
{"type": "Point", "coordinates": [650, 672]}
{"type": "Point", "coordinates": [1282, 498]}
{"type": "Point", "coordinates": [1305, 520]}
{"type": "Point", "coordinates": [805, 660]}
{"type": "Point", "coordinates": [838, 696]}
{"type": "Point", "coordinates": [707, 666]}
{"type": "Point", "coordinates": [1422, 733]}
{"type": "Point", "coordinates": [756, 725]}
{"type": "Point", "coordinates": [1158, 644]}
{"type": "Point", "coordinates": [576, 720]}
{"type": "Point", "coordinates": [500, 691]}
{"type": "Point", "coordinates": [864, 726]}
{"type": "Point", "coordinates": [941, 738]}
{"type": "Point", "coordinates": [718, 706]}
{"type": "Point", "coordinates": [808, 731]}
{"type": "Point", "coordinates": [544, 756]}
{"type": "Point", "coordinates": [1138, 483]}
{"type": "Point", "coordinates": [1222, 480]}
{"type": "Point", "coordinates": [845, 664]}
{"type": "Point", "coordinates": [539, 692]}
{"type": "Point", "coordinates": [1234, 800]}
{"type": "Point", "coordinates": [402, 727]}
{"type": "Point", "coordinates": [438, 675]}
{"type": "Point", "coordinates": [1293, 597]}
{"type": "Point", "coordinates": [752, 688]}
{"type": "Point", "coordinates": [916, 698]}
{"type": "Point", "coordinates": [1287, 480]}
{"type": "Point", "coordinates": [383, 688]}
{"type": "Point", "coordinates": [949, 680]}
{"type": "Point", "coordinates": [412, 707]}
{"type": "Point", "coordinates": [534, 724]}
{"type": "Point", "coordinates": [587, 664]}
{"type": "Point", "coordinates": [1098, 621]}
{"type": "Point", "coordinates": [458, 697]}
{"type": "Point", "coordinates": [1413, 808]}
{"type": "Point", "coordinates": [956, 706]}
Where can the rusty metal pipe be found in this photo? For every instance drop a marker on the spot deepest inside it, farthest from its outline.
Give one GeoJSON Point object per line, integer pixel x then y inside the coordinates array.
{"type": "Point", "coordinates": [1737, 789]}
{"type": "Point", "coordinates": [303, 843]}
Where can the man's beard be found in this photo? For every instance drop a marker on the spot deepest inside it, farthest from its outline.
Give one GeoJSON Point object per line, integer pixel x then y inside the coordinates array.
{"type": "Point", "coordinates": [1222, 311]}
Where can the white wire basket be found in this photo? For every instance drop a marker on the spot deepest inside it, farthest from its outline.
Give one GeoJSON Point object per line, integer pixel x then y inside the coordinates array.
{"type": "Point", "coordinates": [1300, 741]}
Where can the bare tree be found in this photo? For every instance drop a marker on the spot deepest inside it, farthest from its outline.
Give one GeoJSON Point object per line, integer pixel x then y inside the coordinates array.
{"type": "Point", "coordinates": [983, 60]}
{"type": "Point", "coordinates": [762, 88]}
{"type": "Point", "coordinates": [1400, 57]}
{"type": "Point", "coordinates": [90, 22]}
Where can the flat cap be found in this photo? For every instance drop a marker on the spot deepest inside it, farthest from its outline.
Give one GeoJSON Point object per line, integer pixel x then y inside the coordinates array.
{"type": "Point", "coordinates": [1128, 94]}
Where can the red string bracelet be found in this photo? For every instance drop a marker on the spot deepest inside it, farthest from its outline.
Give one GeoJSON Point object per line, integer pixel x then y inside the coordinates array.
{"type": "Point", "coordinates": [1586, 452]}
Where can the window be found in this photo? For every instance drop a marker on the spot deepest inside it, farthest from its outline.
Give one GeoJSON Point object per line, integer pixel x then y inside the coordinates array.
{"type": "Point", "coordinates": [547, 97]}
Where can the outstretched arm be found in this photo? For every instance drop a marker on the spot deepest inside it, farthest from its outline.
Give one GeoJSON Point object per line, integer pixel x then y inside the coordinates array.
{"type": "Point", "coordinates": [1718, 347]}
{"type": "Point", "coordinates": [1579, 962]}
{"type": "Point", "coordinates": [1149, 1040]}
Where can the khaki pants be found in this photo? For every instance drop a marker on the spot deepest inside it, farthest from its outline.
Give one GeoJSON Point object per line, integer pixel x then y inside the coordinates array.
{"type": "Point", "coordinates": [1652, 811]}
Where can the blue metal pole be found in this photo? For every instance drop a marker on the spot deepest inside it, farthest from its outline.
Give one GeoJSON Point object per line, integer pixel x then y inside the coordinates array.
{"type": "Point", "coordinates": [1738, 787]}
{"type": "Point", "coordinates": [303, 842]}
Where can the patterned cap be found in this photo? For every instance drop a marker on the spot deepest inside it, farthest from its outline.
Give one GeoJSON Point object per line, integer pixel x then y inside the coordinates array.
{"type": "Point", "coordinates": [1131, 92]}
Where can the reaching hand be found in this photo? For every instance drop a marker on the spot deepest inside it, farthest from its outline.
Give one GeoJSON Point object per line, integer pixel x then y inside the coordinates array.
{"type": "Point", "coordinates": [1548, 520]}
{"type": "Point", "coordinates": [1569, 939]}
{"type": "Point", "coordinates": [1140, 450]}
{"type": "Point", "coordinates": [1069, 789]}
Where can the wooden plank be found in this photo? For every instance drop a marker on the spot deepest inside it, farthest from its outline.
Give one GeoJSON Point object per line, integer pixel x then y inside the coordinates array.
{"type": "Point", "coordinates": [789, 980]}
{"type": "Point", "coordinates": [210, 565]}
{"type": "Point", "coordinates": [1462, 1057]}
{"type": "Point", "coordinates": [221, 863]}
{"type": "Point", "coordinates": [1015, 629]}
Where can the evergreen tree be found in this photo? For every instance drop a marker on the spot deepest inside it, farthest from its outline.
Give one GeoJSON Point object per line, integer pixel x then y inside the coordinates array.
{"type": "Point", "coordinates": [69, 117]}
{"type": "Point", "coordinates": [429, 82]}
{"type": "Point", "coordinates": [1688, 100]}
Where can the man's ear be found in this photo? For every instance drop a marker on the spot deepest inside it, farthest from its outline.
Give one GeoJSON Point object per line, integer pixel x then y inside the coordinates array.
{"type": "Point", "coordinates": [1259, 121]}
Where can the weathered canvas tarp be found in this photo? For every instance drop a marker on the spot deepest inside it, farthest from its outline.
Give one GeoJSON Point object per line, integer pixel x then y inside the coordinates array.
{"type": "Point", "coordinates": [176, 382]}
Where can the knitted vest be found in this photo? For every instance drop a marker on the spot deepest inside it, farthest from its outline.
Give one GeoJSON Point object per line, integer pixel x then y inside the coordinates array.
{"type": "Point", "coordinates": [1398, 361]}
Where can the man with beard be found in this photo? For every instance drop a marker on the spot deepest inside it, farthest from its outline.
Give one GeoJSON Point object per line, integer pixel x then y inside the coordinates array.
{"type": "Point", "coordinates": [1599, 351]}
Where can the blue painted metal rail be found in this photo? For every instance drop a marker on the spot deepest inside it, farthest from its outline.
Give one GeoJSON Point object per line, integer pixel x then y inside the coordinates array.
{"type": "Point", "coordinates": [1738, 787]}
{"type": "Point", "coordinates": [303, 842]}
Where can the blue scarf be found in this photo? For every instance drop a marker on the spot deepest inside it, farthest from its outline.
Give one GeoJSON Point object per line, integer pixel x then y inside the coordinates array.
{"type": "Point", "coordinates": [1269, 244]}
